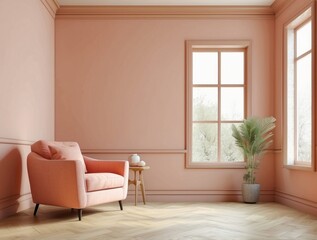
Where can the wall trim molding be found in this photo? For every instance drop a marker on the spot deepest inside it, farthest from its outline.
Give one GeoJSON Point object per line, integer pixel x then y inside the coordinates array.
{"type": "Point", "coordinates": [280, 5]}
{"type": "Point", "coordinates": [296, 202]}
{"type": "Point", "coordinates": [146, 151]}
{"type": "Point", "coordinates": [160, 11]}
{"type": "Point", "coordinates": [130, 151]}
{"type": "Point", "coordinates": [199, 195]}
{"type": "Point", "coordinates": [51, 6]}
{"type": "Point", "coordinates": [13, 204]}
{"type": "Point", "coordinates": [163, 11]}
{"type": "Point", "coordinates": [200, 192]}
{"type": "Point", "coordinates": [15, 141]}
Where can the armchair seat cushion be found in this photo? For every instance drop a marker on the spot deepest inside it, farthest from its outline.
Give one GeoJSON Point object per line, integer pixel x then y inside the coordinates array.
{"type": "Point", "coordinates": [101, 181]}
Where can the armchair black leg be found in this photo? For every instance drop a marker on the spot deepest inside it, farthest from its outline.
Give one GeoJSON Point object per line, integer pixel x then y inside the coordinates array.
{"type": "Point", "coordinates": [80, 214]}
{"type": "Point", "coordinates": [35, 209]}
{"type": "Point", "coordinates": [120, 203]}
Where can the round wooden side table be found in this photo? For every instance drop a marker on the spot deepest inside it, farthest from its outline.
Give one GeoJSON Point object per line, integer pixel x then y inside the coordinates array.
{"type": "Point", "coordinates": [138, 181]}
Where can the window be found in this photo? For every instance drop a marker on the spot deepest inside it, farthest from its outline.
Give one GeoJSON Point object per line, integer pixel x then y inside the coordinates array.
{"type": "Point", "coordinates": [299, 92]}
{"type": "Point", "coordinates": [216, 99]}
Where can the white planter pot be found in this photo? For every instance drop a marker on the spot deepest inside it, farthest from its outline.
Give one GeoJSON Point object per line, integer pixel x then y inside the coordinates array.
{"type": "Point", "coordinates": [250, 192]}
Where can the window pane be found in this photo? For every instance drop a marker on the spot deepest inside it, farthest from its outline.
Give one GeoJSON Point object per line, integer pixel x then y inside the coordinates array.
{"type": "Point", "coordinates": [290, 118]}
{"type": "Point", "coordinates": [232, 103]}
{"type": "Point", "coordinates": [205, 68]}
{"type": "Point", "coordinates": [290, 99]}
{"type": "Point", "coordinates": [304, 106]}
{"type": "Point", "coordinates": [229, 151]}
{"type": "Point", "coordinates": [232, 68]}
{"type": "Point", "coordinates": [205, 104]}
{"type": "Point", "coordinates": [204, 142]}
{"type": "Point", "coordinates": [303, 39]}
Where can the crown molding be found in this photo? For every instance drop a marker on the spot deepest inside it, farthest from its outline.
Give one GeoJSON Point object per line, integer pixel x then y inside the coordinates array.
{"type": "Point", "coordinates": [161, 11]}
{"type": "Point", "coordinates": [279, 6]}
{"type": "Point", "coordinates": [52, 6]}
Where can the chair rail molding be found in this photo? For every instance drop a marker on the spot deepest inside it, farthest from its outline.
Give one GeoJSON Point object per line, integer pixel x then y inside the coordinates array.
{"type": "Point", "coordinates": [130, 151]}
{"type": "Point", "coordinates": [15, 141]}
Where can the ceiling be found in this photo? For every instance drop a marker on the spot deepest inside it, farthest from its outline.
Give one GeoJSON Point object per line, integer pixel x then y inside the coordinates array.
{"type": "Point", "coordinates": [165, 2]}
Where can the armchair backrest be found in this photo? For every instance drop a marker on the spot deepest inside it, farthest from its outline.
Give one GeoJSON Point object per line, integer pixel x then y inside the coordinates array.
{"type": "Point", "coordinates": [41, 147]}
{"type": "Point", "coordinates": [58, 150]}
{"type": "Point", "coordinates": [44, 148]}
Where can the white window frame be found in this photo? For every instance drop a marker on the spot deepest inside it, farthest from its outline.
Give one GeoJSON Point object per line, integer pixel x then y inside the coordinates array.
{"type": "Point", "coordinates": [290, 59]}
{"type": "Point", "coordinates": [214, 46]}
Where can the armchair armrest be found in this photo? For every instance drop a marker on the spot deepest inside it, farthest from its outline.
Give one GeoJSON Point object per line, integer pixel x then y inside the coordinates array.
{"type": "Point", "coordinates": [120, 167]}
{"type": "Point", "coordinates": [57, 182]}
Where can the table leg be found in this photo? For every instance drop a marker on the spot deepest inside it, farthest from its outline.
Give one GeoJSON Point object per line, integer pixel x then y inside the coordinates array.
{"type": "Point", "coordinates": [142, 186]}
{"type": "Point", "coordinates": [136, 188]}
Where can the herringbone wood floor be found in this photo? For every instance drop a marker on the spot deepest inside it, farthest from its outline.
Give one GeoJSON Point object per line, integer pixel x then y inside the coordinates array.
{"type": "Point", "coordinates": [164, 221]}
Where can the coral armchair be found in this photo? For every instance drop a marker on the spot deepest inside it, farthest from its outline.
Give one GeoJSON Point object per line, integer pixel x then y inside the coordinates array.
{"type": "Point", "coordinates": [61, 176]}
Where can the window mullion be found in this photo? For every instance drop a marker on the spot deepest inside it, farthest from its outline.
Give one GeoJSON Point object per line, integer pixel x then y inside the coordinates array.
{"type": "Point", "coordinates": [295, 98]}
{"type": "Point", "coordinates": [219, 107]}
{"type": "Point", "coordinates": [303, 55]}
{"type": "Point", "coordinates": [295, 113]}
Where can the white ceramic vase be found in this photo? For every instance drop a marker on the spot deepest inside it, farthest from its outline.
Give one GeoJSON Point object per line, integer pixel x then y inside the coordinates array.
{"type": "Point", "coordinates": [135, 159]}
{"type": "Point", "coordinates": [141, 164]}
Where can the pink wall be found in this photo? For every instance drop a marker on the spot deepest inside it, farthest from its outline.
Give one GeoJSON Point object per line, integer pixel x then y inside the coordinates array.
{"type": "Point", "coordinates": [27, 94]}
{"type": "Point", "coordinates": [293, 187]}
{"type": "Point", "coordinates": [120, 85]}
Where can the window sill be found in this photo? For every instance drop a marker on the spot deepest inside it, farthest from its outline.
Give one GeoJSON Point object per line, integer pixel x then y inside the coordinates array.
{"type": "Point", "coordinates": [299, 167]}
{"type": "Point", "coordinates": [217, 165]}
